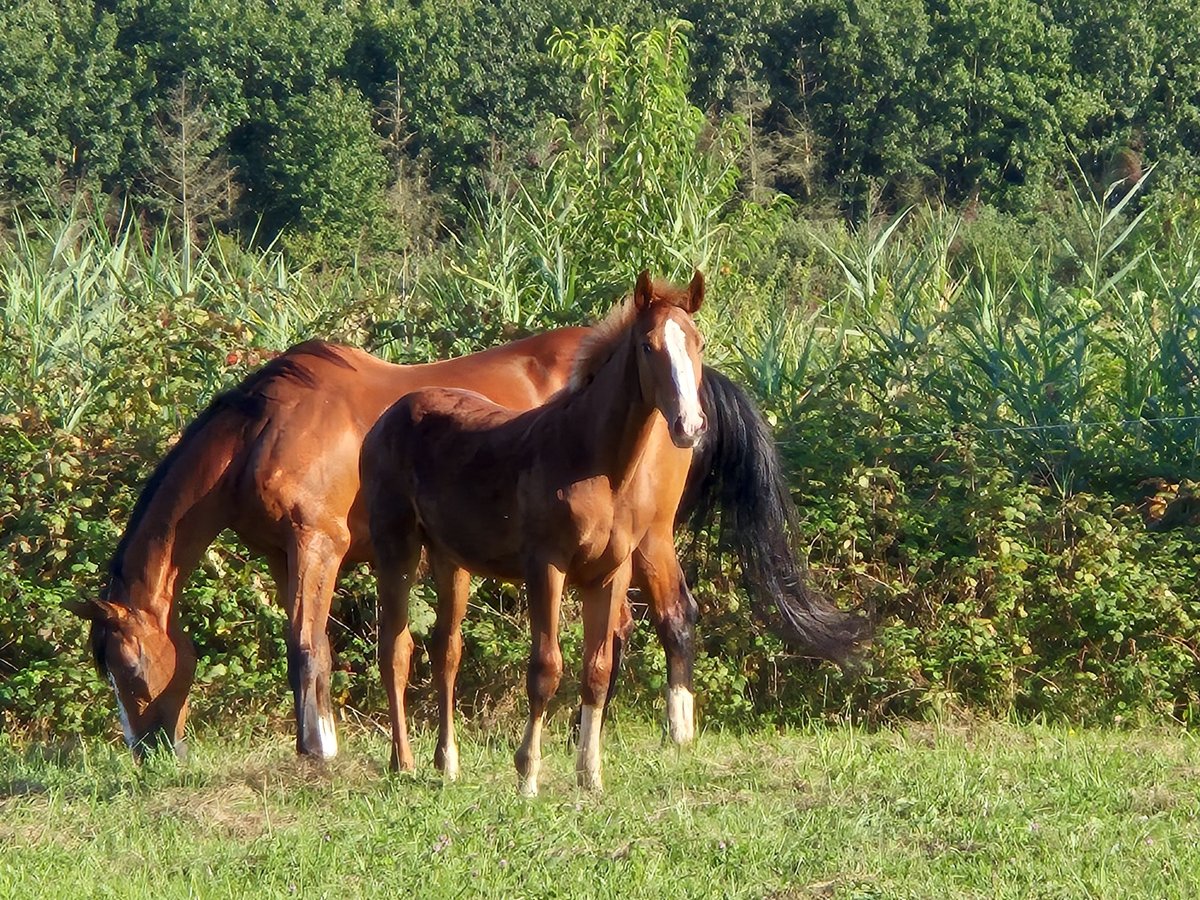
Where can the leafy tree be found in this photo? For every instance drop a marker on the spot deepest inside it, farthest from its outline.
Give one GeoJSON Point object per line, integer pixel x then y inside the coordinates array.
{"type": "Point", "coordinates": [1139, 63]}
{"type": "Point", "coordinates": [476, 77]}
{"type": "Point", "coordinates": [850, 70]}
{"type": "Point", "coordinates": [1002, 98]}
{"type": "Point", "coordinates": [326, 171]}
{"type": "Point", "coordinates": [65, 96]}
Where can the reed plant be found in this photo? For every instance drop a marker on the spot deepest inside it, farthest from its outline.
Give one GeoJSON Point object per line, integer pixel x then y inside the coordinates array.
{"type": "Point", "coordinates": [85, 302]}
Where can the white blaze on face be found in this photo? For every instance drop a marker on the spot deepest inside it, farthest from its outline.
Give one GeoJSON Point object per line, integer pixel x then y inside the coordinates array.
{"type": "Point", "coordinates": [683, 373]}
{"type": "Point", "coordinates": [130, 738]}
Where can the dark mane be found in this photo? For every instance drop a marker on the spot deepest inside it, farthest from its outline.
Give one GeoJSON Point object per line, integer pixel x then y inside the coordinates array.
{"type": "Point", "coordinates": [248, 399]}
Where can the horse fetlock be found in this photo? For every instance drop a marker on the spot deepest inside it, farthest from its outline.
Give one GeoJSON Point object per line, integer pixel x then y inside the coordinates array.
{"type": "Point", "coordinates": [327, 735]}
{"type": "Point", "coordinates": [402, 761]}
{"type": "Point", "coordinates": [445, 760]}
{"type": "Point", "coordinates": [318, 733]}
{"type": "Point", "coordinates": [527, 762]}
{"type": "Point", "coordinates": [529, 767]}
{"type": "Point", "coordinates": [588, 778]}
{"type": "Point", "coordinates": [587, 760]}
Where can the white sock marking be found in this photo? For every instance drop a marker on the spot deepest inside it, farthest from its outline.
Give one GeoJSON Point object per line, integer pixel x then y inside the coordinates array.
{"type": "Point", "coordinates": [681, 721]}
{"type": "Point", "coordinates": [327, 736]}
{"type": "Point", "coordinates": [450, 758]}
{"type": "Point", "coordinates": [531, 746]}
{"type": "Point", "coordinates": [587, 763]}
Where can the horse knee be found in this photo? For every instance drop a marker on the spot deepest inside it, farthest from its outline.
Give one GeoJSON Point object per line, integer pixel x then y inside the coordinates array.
{"type": "Point", "coordinates": [312, 654]}
{"type": "Point", "coordinates": [545, 672]}
{"type": "Point", "coordinates": [596, 676]}
{"type": "Point", "coordinates": [395, 650]}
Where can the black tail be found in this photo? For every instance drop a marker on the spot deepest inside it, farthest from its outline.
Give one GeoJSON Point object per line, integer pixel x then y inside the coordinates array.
{"type": "Point", "coordinates": [736, 472]}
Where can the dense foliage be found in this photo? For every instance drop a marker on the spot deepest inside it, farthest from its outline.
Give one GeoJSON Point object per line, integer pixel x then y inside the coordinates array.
{"type": "Point", "coordinates": [969, 402]}
{"type": "Point", "coordinates": [856, 101]}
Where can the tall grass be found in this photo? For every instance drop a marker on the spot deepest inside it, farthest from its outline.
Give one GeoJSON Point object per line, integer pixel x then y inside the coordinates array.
{"type": "Point", "coordinates": [79, 298]}
{"type": "Point", "coordinates": [925, 811]}
{"type": "Point", "coordinates": [1083, 357]}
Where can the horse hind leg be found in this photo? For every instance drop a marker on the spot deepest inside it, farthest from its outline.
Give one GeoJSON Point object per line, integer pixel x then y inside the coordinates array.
{"type": "Point", "coordinates": [453, 587]}
{"type": "Point", "coordinates": [398, 553]}
{"type": "Point", "coordinates": [545, 587]}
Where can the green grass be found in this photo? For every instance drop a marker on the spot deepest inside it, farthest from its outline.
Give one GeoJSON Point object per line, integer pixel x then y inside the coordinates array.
{"type": "Point", "coordinates": [921, 811]}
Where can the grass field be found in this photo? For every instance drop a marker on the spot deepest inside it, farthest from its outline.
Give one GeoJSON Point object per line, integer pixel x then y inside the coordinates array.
{"type": "Point", "coordinates": [920, 811]}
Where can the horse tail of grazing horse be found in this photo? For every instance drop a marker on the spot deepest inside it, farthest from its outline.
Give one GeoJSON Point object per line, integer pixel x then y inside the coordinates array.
{"type": "Point", "coordinates": [737, 494]}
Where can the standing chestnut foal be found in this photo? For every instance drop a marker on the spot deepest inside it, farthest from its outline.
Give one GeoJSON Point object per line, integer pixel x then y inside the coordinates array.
{"type": "Point", "coordinates": [566, 492]}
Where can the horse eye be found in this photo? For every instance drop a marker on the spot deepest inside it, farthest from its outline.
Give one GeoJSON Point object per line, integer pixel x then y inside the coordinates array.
{"type": "Point", "coordinates": [646, 348]}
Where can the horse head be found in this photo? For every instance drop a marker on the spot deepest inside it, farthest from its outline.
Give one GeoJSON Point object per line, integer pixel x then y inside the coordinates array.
{"type": "Point", "coordinates": [668, 349]}
{"type": "Point", "coordinates": [150, 663]}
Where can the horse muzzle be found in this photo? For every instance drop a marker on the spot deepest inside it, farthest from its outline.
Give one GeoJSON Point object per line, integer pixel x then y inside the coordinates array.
{"type": "Point", "coordinates": [686, 431]}
{"type": "Point", "coordinates": [158, 739]}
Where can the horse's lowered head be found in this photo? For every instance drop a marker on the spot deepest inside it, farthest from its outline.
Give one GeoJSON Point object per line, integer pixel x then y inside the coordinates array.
{"type": "Point", "coordinates": [668, 349]}
{"type": "Point", "coordinates": [150, 663]}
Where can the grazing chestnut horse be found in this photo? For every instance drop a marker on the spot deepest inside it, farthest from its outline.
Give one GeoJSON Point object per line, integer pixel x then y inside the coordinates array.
{"type": "Point", "coordinates": [561, 494]}
{"type": "Point", "coordinates": [275, 460]}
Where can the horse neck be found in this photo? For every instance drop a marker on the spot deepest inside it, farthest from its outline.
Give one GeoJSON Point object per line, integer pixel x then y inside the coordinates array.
{"type": "Point", "coordinates": [617, 418]}
{"type": "Point", "coordinates": [183, 516]}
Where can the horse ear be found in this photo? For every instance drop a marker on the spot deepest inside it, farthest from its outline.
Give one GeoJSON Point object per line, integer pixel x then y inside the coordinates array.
{"type": "Point", "coordinates": [695, 293]}
{"type": "Point", "coordinates": [643, 293]}
{"type": "Point", "coordinates": [97, 610]}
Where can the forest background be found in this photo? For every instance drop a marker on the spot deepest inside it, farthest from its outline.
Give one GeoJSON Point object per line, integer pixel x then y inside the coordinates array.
{"type": "Point", "coordinates": [952, 248]}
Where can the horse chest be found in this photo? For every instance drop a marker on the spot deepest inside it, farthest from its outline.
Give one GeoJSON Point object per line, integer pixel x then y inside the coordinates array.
{"type": "Point", "coordinates": [598, 531]}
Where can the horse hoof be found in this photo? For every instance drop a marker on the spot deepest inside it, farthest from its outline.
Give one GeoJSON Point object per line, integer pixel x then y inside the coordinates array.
{"type": "Point", "coordinates": [527, 787]}
{"type": "Point", "coordinates": [401, 766]}
{"type": "Point", "coordinates": [682, 734]}
{"type": "Point", "coordinates": [589, 781]}
{"type": "Point", "coordinates": [446, 762]}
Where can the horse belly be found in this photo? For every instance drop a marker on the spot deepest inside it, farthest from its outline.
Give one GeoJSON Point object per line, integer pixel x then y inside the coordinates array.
{"type": "Point", "coordinates": [472, 520]}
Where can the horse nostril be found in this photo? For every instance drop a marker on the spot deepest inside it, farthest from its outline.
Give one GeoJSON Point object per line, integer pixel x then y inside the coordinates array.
{"type": "Point", "coordinates": [703, 425]}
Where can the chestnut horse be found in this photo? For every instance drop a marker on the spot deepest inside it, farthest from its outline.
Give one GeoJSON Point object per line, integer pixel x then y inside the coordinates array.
{"type": "Point", "coordinates": [561, 494]}
{"type": "Point", "coordinates": [275, 460]}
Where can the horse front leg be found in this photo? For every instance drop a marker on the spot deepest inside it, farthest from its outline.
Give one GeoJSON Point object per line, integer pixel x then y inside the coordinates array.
{"type": "Point", "coordinates": [545, 586]}
{"type": "Point", "coordinates": [453, 588]}
{"type": "Point", "coordinates": [674, 611]}
{"type": "Point", "coordinates": [313, 560]}
{"type": "Point", "coordinates": [625, 626]}
{"type": "Point", "coordinates": [602, 606]}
